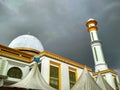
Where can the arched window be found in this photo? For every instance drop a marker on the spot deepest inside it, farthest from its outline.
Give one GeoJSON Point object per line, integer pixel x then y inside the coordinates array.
{"type": "Point", "coordinates": [15, 72]}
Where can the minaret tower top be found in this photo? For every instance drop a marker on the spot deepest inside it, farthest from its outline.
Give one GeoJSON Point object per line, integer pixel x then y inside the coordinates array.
{"type": "Point", "coordinates": [92, 25]}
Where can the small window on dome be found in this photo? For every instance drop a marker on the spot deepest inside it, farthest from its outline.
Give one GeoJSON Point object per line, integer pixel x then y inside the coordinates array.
{"type": "Point", "coordinates": [15, 72]}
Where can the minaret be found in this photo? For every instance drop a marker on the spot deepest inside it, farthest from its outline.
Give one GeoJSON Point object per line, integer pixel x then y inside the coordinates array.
{"type": "Point", "coordinates": [96, 46]}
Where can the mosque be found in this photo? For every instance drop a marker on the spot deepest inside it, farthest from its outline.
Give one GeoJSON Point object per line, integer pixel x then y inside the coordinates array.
{"type": "Point", "coordinates": [27, 66]}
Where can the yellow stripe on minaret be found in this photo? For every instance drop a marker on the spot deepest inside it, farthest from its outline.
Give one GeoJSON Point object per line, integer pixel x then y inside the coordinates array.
{"type": "Point", "coordinates": [93, 28]}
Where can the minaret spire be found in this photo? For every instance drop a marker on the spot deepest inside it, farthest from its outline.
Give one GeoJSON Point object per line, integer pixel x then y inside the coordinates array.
{"type": "Point", "coordinates": [96, 46]}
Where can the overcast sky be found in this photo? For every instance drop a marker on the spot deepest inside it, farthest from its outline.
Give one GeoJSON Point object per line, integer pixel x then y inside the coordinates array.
{"type": "Point", "coordinates": [60, 26]}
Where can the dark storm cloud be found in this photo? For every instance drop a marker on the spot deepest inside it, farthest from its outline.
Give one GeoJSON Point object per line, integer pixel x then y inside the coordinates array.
{"type": "Point", "coordinates": [60, 25]}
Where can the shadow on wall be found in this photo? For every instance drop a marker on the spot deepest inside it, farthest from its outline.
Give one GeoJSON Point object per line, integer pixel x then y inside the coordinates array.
{"type": "Point", "coordinates": [7, 88]}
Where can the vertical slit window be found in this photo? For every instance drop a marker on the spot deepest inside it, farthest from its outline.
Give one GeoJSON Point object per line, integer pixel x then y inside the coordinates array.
{"type": "Point", "coordinates": [96, 54]}
{"type": "Point", "coordinates": [54, 76]}
{"type": "Point", "coordinates": [92, 36]}
{"type": "Point", "coordinates": [40, 67]}
{"type": "Point", "coordinates": [72, 77]}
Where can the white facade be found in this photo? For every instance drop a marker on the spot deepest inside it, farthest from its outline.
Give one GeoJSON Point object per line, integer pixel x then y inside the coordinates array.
{"type": "Point", "coordinates": [7, 64]}
{"type": "Point", "coordinates": [64, 71]}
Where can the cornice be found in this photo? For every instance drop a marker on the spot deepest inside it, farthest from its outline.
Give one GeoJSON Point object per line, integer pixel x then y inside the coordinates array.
{"type": "Point", "coordinates": [62, 59]}
{"type": "Point", "coordinates": [15, 54]}
{"type": "Point", "coordinates": [105, 71]}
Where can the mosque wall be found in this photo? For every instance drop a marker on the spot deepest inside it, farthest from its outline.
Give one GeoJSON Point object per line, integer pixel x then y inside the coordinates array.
{"type": "Point", "coordinates": [64, 68]}
{"type": "Point", "coordinates": [14, 70]}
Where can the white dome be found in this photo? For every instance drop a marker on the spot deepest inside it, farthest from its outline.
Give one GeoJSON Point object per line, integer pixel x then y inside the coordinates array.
{"type": "Point", "coordinates": [27, 41]}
